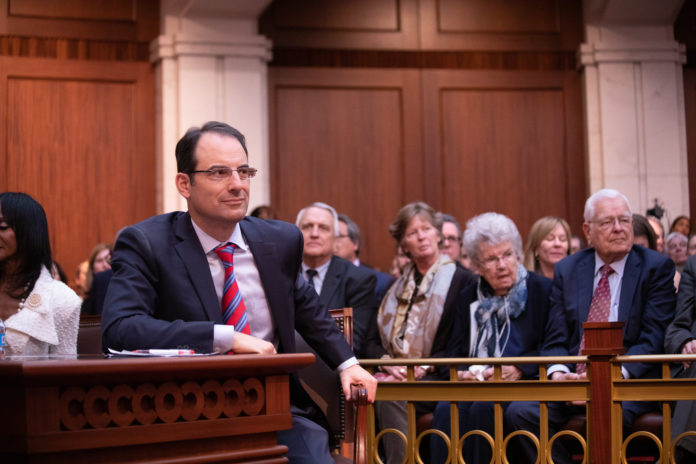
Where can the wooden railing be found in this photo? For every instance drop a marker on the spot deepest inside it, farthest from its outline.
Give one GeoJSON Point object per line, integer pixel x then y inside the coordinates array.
{"type": "Point", "coordinates": [603, 390]}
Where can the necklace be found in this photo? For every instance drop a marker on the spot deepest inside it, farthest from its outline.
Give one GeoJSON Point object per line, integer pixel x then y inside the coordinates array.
{"type": "Point", "coordinates": [21, 302]}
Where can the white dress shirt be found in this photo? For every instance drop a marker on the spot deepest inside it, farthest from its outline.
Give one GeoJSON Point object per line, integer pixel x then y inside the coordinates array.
{"type": "Point", "coordinates": [318, 281]}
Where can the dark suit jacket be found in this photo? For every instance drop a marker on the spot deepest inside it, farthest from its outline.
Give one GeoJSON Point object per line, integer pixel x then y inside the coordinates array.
{"type": "Point", "coordinates": [94, 302]}
{"type": "Point", "coordinates": [349, 286]}
{"type": "Point", "coordinates": [162, 294]}
{"type": "Point", "coordinates": [384, 281]}
{"type": "Point", "coordinates": [525, 338]}
{"type": "Point", "coordinates": [683, 327]}
{"type": "Point", "coordinates": [646, 304]}
{"type": "Point", "coordinates": [462, 278]}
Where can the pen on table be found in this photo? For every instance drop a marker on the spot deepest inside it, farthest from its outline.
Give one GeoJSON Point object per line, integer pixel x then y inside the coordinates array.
{"type": "Point", "coordinates": [160, 352]}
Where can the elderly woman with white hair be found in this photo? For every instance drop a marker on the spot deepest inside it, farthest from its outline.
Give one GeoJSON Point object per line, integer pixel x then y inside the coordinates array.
{"type": "Point", "coordinates": [498, 316]}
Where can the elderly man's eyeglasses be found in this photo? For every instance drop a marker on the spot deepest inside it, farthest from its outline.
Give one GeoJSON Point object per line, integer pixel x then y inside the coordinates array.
{"type": "Point", "coordinates": [224, 173]}
{"type": "Point", "coordinates": [608, 222]}
{"type": "Point", "coordinates": [450, 238]}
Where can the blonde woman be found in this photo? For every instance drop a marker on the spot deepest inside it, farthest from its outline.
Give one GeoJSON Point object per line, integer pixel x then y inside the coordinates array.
{"type": "Point", "coordinates": [547, 244]}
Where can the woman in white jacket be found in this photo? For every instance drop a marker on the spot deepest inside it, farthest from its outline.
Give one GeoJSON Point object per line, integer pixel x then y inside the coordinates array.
{"type": "Point", "coordinates": [41, 314]}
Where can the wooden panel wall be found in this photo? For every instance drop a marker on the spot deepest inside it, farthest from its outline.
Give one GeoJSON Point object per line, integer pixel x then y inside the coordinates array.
{"type": "Point", "coordinates": [366, 163]}
{"type": "Point", "coordinates": [77, 105]}
{"type": "Point", "coordinates": [475, 108]}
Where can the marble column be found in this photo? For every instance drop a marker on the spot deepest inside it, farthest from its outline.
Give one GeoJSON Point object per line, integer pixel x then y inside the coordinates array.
{"type": "Point", "coordinates": [634, 102]}
{"type": "Point", "coordinates": [211, 64]}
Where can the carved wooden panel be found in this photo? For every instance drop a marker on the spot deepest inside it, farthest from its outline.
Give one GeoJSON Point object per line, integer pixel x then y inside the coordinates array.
{"type": "Point", "coordinates": [504, 142]}
{"type": "Point", "coordinates": [351, 139]}
{"type": "Point", "coordinates": [365, 24]}
{"type": "Point", "coordinates": [500, 24]}
{"type": "Point", "coordinates": [79, 137]}
{"type": "Point", "coordinates": [136, 20]}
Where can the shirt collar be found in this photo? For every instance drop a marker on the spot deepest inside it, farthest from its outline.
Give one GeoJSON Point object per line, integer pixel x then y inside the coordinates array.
{"type": "Point", "coordinates": [617, 266]}
{"type": "Point", "coordinates": [321, 270]}
{"type": "Point", "coordinates": [209, 243]}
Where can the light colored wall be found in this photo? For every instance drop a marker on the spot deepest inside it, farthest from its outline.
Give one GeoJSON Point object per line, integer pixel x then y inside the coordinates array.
{"type": "Point", "coordinates": [634, 102]}
{"type": "Point", "coordinates": [211, 65]}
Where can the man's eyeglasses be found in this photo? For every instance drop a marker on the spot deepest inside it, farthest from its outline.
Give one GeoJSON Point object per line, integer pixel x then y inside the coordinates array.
{"type": "Point", "coordinates": [608, 222]}
{"type": "Point", "coordinates": [224, 173]}
{"type": "Point", "coordinates": [450, 238]}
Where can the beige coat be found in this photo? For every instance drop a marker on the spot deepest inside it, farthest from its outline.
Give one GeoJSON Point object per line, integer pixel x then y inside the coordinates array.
{"type": "Point", "coordinates": [48, 323]}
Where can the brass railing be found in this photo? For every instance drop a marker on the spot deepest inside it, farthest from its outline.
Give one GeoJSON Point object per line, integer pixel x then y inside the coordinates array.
{"type": "Point", "coordinates": [604, 390]}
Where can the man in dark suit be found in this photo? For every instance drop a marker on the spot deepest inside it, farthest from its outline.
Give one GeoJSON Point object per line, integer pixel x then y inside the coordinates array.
{"type": "Point", "coordinates": [170, 279]}
{"type": "Point", "coordinates": [681, 339]}
{"type": "Point", "coordinates": [338, 283]}
{"type": "Point", "coordinates": [347, 246]}
{"type": "Point", "coordinates": [626, 283]}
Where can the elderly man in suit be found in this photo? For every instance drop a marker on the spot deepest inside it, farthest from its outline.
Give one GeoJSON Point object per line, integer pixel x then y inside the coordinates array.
{"type": "Point", "coordinates": [681, 339]}
{"type": "Point", "coordinates": [338, 282]}
{"type": "Point", "coordinates": [613, 280]}
{"type": "Point", "coordinates": [212, 280]}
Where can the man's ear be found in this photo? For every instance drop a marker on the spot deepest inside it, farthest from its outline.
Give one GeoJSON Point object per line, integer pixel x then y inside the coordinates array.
{"type": "Point", "coordinates": [183, 184]}
{"type": "Point", "coordinates": [586, 231]}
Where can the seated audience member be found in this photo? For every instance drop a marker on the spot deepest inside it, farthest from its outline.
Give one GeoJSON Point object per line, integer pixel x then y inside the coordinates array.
{"type": "Point", "coordinates": [643, 233]}
{"type": "Point", "coordinates": [264, 212]}
{"type": "Point", "coordinates": [612, 281]}
{"type": "Point", "coordinates": [337, 281]}
{"type": "Point", "coordinates": [576, 244]}
{"type": "Point", "coordinates": [212, 279]}
{"type": "Point", "coordinates": [399, 262]}
{"type": "Point", "coordinates": [691, 248]}
{"type": "Point", "coordinates": [416, 316]}
{"type": "Point", "coordinates": [451, 244]}
{"type": "Point", "coordinates": [347, 246]}
{"type": "Point", "coordinates": [99, 261]}
{"type": "Point", "coordinates": [98, 277]}
{"type": "Point", "coordinates": [499, 316]}
{"type": "Point", "coordinates": [81, 279]}
{"type": "Point", "coordinates": [547, 244]}
{"type": "Point", "coordinates": [680, 338]}
{"type": "Point", "coordinates": [659, 230]}
{"type": "Point", "coordinates": [681, 224]}
{"type": "Point", "coordinates": [675, 247]}
{"type": "Point", "coordinates": [58, 273]}
{"type": "Point", "coordinates": [41, 314]}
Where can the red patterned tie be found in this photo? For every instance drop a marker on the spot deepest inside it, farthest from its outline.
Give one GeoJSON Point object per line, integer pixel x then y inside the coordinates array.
{"type": "Point", "coordinates": [599, 308]}
{"type": "Point", "coordinates": [233, 310]}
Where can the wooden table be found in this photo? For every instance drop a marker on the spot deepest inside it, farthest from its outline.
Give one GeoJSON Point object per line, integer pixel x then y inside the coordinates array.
{"type": "Point", "coordinates": [156, 410]}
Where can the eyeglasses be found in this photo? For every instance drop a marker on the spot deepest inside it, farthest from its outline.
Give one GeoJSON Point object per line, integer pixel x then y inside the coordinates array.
{"type": "Point", "coordinates": [224, 173]}
{"type": "Point", "coordinates": [492, 261]}
{"type": "Point", "coordinates": [607, 223]}
{"type": "Point", "coordinates": [342, 236]}
{"type": "Point", "coordinates": [450, 238]}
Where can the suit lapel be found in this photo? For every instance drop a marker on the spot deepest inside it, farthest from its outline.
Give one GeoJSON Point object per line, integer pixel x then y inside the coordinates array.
{"type": "Point", "coordinates": [331, 281]}
{"type": "Point", "coordinates": [191, 253]}
{"type": "Point", "coordinates": [629, 283]}
{"type": "Point", "coordinates": [585, 286]}
{"type": "Point", "coordinates": [269, 267]}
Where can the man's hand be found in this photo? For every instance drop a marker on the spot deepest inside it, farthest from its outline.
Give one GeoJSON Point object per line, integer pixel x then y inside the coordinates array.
{"type": "Point", "coordinates": [247, 344]}
{"type": "Point", "coordinates": [689, 348]}
{"type": "Point", "coordinates": [356, 375]}
{"type": "Point", "coordinates": [558, 375]}
{"type": "Point", "coordinates": [509, 373]}
{"type": "Point", "coordinates": [466, 375]}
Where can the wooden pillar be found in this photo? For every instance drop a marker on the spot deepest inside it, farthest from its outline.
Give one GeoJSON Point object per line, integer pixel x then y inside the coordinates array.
{"type": "Point", "coordinates": [603, 341]}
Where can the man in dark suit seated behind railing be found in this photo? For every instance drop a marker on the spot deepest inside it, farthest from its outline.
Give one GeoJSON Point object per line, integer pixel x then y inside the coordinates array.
{"type": "Point", "coordinates": [681, 339]}
{"type": "Point", "coordinates": [635, 288]}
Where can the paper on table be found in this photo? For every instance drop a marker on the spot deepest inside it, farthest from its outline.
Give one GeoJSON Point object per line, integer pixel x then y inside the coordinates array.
{"type": "Point", "coordinates": [159, 353]}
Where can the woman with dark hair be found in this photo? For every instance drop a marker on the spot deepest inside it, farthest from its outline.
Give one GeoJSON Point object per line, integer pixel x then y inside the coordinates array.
{"type": "Point", "coordinates": [681, 224]}
{"type": "Point", "coordinates": [643, 232]}
{"type": "Point", "coordinates": [41, 314]}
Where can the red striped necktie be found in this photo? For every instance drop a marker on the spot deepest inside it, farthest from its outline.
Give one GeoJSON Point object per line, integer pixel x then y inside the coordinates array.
{"type": "Point", "coordinates": [599, 308]}
{"type": "Point", "coordinates": [233, 310]}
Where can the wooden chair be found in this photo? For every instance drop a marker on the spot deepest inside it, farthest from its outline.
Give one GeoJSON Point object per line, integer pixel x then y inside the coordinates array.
{"type": "Point", "coordinates": [89, 335]}
{"type": "Point", "coordinates": [348, 422]}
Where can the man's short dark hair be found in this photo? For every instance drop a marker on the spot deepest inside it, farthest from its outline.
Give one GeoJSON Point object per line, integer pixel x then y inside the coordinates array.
{"type": "Point", "coordinates": [186, 147]}
{"type": "Point", "coordinates": [353, 230]}
{"type": "Point", "coordinates": [451, 219]}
